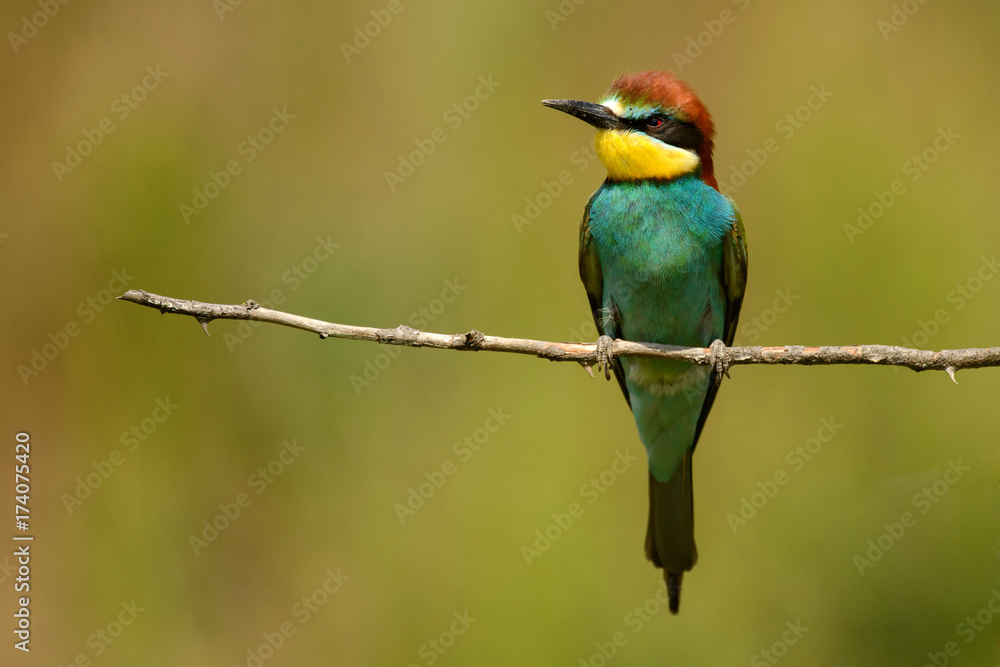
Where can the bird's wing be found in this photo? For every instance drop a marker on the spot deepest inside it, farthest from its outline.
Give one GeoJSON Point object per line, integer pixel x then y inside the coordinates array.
{"type": "Point", "coordinates": [593, 281]}
{"type": "Point", "coordinates": [734, 273]}
{"type": "Point", "coordinates": [734, 283]}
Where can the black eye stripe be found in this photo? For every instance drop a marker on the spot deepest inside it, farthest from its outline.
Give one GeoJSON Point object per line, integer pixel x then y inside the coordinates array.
{"type": "Point", "coordinates": [671, 131]}
{"type": "Point", "coordinates": [642, 123]}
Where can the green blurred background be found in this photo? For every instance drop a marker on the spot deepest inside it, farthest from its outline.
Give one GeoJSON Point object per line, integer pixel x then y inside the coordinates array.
{"type": "Point", "coordinates": [887, 91]}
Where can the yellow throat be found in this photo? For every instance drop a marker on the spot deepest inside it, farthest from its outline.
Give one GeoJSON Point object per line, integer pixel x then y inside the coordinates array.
{"type": "Point", "coordinates": [634, 156]}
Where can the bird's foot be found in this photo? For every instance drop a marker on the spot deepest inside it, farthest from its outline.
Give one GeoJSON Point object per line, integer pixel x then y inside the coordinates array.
{"type": "Point", "coordinates": [604, 355]}
{"type": "Point", "coordinates": [720, 360]}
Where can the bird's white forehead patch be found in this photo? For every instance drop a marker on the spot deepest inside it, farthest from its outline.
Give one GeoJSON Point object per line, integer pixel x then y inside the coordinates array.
{"type": "Point", "coordinates": [614, 104]}
{"type": "Point", "coordinates": [632, 110]}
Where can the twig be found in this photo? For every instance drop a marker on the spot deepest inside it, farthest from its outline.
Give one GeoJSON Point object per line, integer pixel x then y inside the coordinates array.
{"type": "Point", "coordinates": [949, 361]}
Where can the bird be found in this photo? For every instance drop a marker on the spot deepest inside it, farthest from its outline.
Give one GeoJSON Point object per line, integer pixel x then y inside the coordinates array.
{"type": "Point", "coordinates": [663, 258]}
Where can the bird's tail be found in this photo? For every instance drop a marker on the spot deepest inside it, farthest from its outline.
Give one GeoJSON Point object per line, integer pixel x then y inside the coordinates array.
{"type": "Point", "coordinates": [670, 535]}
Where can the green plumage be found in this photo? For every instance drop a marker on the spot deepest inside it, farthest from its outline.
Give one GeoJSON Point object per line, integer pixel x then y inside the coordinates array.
{"type": "Point", "coordinates": [665, 262]}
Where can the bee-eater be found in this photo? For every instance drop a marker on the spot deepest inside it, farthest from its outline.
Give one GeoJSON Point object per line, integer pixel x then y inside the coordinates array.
{"type": "Point", "coordinates": [663, 258]}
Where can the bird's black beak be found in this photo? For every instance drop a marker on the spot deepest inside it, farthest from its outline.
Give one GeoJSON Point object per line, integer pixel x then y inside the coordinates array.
{"type": "Point", "coordinates": [597, 115]}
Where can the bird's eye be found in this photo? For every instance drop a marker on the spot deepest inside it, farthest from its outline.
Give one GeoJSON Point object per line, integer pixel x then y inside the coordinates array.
{"type": "Point", "coordinates": [655, 123]}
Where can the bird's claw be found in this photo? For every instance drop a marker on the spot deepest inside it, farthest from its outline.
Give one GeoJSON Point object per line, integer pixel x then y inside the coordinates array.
{"type": "Point", "coordinates": [604, 355]}
{"type": "Point", "coordinates": [720, 360]}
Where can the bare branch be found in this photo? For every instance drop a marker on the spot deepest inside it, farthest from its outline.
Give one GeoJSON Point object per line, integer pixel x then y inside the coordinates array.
{"type": "Point", "coordinates": [949, 361]}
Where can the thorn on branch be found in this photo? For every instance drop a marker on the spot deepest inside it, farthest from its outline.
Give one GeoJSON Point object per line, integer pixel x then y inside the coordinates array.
{"type": "Point", "coordinates": [588, 355]}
